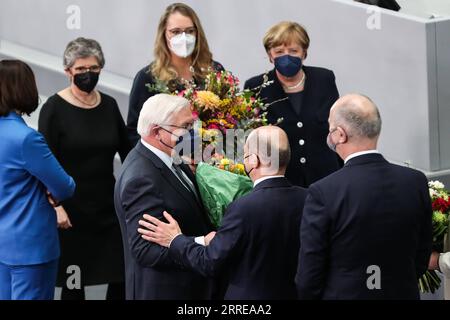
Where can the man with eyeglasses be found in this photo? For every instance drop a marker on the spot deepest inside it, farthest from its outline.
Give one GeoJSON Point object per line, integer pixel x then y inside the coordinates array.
{"type": "Point", "coordinates": [152, 182]}
{"type": "Point", "coordinates": [257, 243]}
{"type": "Point", "coordinates": [366, 229]}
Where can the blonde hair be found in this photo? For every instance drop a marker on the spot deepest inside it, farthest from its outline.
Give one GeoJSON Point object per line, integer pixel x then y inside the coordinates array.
{"type": "Point", "coordinates": [201, 56]}
{"type": "Point", "coordinates": [286, 32]}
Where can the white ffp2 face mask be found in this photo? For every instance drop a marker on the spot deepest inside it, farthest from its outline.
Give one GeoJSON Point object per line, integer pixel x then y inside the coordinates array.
{"type": "Point", "coordinates": [183, 45]}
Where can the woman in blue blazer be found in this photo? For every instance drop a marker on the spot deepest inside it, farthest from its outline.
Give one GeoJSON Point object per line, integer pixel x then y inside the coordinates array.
{"type": "Point", "coordinates": [30, 178]}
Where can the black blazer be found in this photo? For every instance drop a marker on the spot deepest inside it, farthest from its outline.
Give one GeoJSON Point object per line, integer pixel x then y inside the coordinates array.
{"type": "Point", "coordinates": [313, 159]}
{"type": "Point", "coordinates": [257, 244]}
{"type": "Point", "coordinates": [369, 213]}
{"type": "Point", "coordinates": [140, 93]}
{"type": "Point", "coordinates": [147, 185]}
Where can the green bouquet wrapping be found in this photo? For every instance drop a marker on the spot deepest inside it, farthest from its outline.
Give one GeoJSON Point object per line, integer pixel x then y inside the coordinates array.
{"type": "Point", "coordinates": [218, 188]}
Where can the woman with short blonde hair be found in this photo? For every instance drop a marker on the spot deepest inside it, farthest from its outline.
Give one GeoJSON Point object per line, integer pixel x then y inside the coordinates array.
{"type": "Point", "coordinates": [286, 32]}
{"type": "Point", "coordinates": [302, 96]}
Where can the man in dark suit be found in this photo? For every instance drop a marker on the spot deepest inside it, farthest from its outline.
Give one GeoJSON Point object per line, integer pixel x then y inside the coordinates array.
{"type": "Point", "coordinates": [366, 229]}
{"type": "Point", "coordinates": [150, 182]}
{"type": "Point", "coordinates": [257, 244]}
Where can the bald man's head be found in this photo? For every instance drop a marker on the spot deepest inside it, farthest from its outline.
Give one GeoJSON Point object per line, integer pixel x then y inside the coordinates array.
{"type": "Point", "coordinates": [358, 115]}
{"type": "Point", "coordinates": [271, 145]}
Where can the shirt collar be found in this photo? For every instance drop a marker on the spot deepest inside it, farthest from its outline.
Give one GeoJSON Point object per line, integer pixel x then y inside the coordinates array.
{"type": "Point", "coordinates": [168, 161]}
{"type": "Point", "coordinates": [360, 153]}
{"type": "Point", "coordinates": [258, 181]}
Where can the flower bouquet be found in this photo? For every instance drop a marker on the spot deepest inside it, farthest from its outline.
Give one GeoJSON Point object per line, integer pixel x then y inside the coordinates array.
{"type": "Point", "coordinates": [223, 113]}
{"type": "Point", "coordinates": [219, 186]}
{"type": "Point", "coordinates": [430, 281]}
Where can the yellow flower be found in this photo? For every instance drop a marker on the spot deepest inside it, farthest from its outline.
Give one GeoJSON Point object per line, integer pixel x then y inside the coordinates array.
{"type": "Point", "coordinates": [225, 162]}
{"type": "Point", "coordinates": [208, 100]}
{"type": "Point", "coordinates": [225, 103]}
{"type": "Point", "coordinates": [240, 168]}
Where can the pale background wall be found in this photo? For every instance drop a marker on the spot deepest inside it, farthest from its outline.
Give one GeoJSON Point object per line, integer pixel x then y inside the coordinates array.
{"type": "Point", "coordinates": [395, 65]}
{"type": "Point", "coordinates": [404, 65]}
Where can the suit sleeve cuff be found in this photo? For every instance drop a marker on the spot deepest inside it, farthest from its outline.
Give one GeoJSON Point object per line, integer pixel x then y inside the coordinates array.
{"type": "Point", "coordinates": [444, 265]}
{"type": "Point", "coordinates": [174, 238]}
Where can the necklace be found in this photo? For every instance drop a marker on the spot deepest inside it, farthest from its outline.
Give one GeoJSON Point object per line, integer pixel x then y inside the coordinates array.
{"type": "Point", "coordinates": [84, 102]}
{"type": "Point", "coordinates": [298, 85]}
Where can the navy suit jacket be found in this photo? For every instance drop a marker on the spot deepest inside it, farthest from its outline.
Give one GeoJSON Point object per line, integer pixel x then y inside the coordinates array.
{"type": "Point", "coordinates": [307, 131]}
{"type": "Point", "coordinates": [257, 244]}
{"type": "Point", "coordinates": [28, 227]}
{"type": "Point", "coordinates": [369, 213]}
{"type": "Point", "coordinates": [147, 186]}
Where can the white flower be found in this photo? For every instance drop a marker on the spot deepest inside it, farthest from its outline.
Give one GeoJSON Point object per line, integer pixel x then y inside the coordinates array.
{"type": "Point", "coordinates": [432, 193]}
{"type": "Point", "coordinates": [436, 184]}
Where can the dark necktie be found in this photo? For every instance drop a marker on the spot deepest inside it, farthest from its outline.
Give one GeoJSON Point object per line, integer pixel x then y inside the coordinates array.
{"type": "Point", "coordinates": [187, 184]}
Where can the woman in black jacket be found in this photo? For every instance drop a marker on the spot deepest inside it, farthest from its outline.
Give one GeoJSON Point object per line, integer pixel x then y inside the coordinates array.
{"type": "Point", "coordinates": [302, 97]}
{"type": "Point", "coordinates": [181, 54]}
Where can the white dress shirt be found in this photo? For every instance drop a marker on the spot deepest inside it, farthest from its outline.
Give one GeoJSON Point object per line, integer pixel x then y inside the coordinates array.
{"type": "Point", "coordinates": [258, 181]}
{"type": "Point", "coordinates": [360, 153]}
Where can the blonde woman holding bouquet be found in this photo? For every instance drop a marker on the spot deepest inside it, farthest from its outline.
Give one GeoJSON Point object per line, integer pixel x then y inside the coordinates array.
{"type": "Point", "coordinates": [302, 96]}
{"type": "Point", "coordinates": [181, 54]}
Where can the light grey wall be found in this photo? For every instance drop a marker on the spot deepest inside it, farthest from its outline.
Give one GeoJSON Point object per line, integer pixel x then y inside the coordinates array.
{"type": "Point", "coordinates": [425, 8]}
{"type": "Point", "coordinates": [403, 66]}
{"type": "Point", "coordinates": [443, 89]}
{"type": "Point", "coordinates": [126, 29]}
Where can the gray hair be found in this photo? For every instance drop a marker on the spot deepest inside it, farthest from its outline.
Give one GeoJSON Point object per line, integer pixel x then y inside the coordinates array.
{"type": "Point", "coordinates": [362, 120]}
{"type": "Point", "coordinates": [158, 110]}
{"type": "Point", "coordinates": [82, 48]}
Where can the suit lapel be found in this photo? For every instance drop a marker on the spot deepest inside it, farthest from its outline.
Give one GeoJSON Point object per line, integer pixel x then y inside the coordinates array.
{"type": "Point", "coordinates": [191, 176]}
{"type": "Point", "coordinates": [275, 92]}
{"type": "Point", "coordinates": [307, 91]}
{"type": "Point", "coordinates": [169, 176]}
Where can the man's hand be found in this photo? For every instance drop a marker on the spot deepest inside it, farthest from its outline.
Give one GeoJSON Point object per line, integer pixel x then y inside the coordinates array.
{"type": "Point", "coordinates": [209, 237]}
{"type": "Point", "coordinates": [158, 231]}
{"type": "Point", "coordinates": [62, 218]}
{"type": "Point", "coordinates": [433, 264]}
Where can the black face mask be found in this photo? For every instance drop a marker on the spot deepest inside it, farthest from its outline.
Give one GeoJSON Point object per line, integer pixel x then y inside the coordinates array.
{"type": "Point", "coordinates": [87, 81]}
{"type": "Point", "coordinates": [247, 172]}
{"type": "Point", "coordinates": [185, 144]}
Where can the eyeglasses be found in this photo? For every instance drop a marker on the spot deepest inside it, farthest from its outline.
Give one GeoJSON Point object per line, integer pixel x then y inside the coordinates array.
{"type": "Point", "coordinates": [187, 127]}
{"type": "Point", "coordinates": [249, 155]}
{"type": "Point", "coordinates": [176, 31]}
{"type": "Point", "coordinates": [87, 69]}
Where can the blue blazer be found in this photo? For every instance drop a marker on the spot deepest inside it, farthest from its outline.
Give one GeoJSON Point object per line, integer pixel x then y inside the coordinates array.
{"type": "Point", "coordinates": [257, 244]}
{"type": "Point", "coordinates": [370, 213]}
{"type": "Point", "coordinates": [28, 226]}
